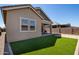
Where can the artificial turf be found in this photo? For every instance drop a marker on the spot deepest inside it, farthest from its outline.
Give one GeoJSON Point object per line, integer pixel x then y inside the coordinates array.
{"type": "Point", "coordinates": [45, 45]}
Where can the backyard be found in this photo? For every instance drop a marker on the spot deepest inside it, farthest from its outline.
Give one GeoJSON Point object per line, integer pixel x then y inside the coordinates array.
{"type": "Point", "coordinates": [45, 45]}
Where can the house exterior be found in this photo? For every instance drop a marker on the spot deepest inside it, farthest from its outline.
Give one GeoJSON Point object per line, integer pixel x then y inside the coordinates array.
{"type": "Point", "coordinates": [25, 22]}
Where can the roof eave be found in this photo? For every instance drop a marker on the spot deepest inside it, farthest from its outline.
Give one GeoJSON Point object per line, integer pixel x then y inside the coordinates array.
{"type": "Point", "coordinates": [11, 8]}
{"type": "Point", "coordinates": [38, 8]}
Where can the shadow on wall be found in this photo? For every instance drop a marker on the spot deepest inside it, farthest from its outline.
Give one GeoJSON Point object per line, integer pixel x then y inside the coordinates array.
{"type": "Point", "coordinates": [33, 44]}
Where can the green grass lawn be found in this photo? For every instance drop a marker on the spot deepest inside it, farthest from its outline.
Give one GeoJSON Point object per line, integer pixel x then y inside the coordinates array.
{"type": "Point", "coordinates": [46, 45]}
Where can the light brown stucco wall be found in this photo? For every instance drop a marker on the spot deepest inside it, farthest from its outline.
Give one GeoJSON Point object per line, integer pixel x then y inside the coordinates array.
{"type": "Point", "coordinates": [13, 24]}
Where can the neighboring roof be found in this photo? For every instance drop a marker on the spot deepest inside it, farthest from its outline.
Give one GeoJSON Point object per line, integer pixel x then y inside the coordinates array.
{"type": "Point", "coordinates": [61, 24]}
{"type": "Point", "coordinates": [42, 13]}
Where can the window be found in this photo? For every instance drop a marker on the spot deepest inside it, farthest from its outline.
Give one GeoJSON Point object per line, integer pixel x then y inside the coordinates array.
{"type": "Point", "coordinates": [32, 25]}
{"type": "Point", "coordinates": [24, 24]}
{"type": "Point", "coordinates": [27, 24]}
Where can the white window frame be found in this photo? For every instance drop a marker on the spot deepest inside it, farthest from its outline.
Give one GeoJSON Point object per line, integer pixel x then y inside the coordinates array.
{"type": "Point", "coordinates": [28, 25]}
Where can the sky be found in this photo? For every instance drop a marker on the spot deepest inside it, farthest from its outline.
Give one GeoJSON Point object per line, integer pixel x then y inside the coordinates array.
{"type": "Point", "coordinates": [58, 13]}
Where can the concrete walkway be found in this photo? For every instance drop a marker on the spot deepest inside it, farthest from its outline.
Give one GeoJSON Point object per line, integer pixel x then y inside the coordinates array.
{"type": "Point", "coordinates": [7, 49]}
{"type": "Point", "coordinates": [2, 43]}
{"type": "Point", "coordinates": [77, 48]}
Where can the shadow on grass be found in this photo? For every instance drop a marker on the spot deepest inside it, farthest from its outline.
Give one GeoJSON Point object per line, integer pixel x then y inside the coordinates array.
{"type": "Point", "coordinates": [33, 44]}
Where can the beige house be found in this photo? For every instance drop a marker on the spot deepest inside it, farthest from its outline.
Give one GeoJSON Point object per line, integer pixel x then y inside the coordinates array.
{"type": "Point", "coordinates": [24, 22]}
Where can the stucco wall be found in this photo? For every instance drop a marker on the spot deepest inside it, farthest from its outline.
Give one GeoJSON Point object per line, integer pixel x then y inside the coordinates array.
{"type": "Point", "coordinates": [13, 24]}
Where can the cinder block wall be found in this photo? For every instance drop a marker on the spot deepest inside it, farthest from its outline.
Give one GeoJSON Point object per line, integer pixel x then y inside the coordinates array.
{"type": "Point", "coordinates": [75, 30]}
{"type": "Point", "coordinates": [66, 30]}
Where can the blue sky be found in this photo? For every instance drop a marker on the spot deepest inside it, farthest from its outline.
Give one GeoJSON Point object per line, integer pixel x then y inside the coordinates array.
{"type": "Point", "coordinates": [59, 13]}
